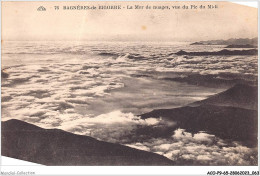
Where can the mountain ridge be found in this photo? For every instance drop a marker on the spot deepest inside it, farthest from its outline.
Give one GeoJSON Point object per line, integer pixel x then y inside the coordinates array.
{"type": "Point", "coordinates": [223, 52]}
{"type": "Point", "coordinates": [240, 95]}
{"type": "Point", "coordinates": [236, 121]}
{"type": "Point", "coordinates": [231, 41]}
{"type": "Point", "coordinates": [28, 142]}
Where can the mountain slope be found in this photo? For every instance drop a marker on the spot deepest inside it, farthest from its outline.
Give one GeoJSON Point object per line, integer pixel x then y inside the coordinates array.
{"type": "Point", "coordinates": [28, 142]}
{"type": "Point", "coordinates": [230, 123]}
{"type": "Point", "coordinates": [240, 95]}
{"type": "Point", "coordinates": [230, 115]}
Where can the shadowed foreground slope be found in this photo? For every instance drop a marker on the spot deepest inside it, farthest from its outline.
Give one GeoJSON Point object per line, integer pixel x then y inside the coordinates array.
{"type": "Point", "coordinates": [28, 142]}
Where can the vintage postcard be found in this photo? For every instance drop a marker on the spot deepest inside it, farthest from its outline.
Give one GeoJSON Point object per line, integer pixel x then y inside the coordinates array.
{"type": "Point", "coordinates": [130, 84]}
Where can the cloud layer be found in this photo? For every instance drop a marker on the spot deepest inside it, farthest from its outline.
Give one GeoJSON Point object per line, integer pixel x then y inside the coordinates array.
{"type": "Point", "coordinates": [199, 149]}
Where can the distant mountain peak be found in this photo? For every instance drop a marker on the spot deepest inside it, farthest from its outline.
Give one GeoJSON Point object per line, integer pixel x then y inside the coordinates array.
{"type": "Point", "coordinates": [240, 95]}
{"type": "Point", "coordinates": [231, 41]}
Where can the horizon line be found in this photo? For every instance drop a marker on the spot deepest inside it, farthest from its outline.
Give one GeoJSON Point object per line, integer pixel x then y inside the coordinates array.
{"type": "Point", "coordinates": [121, 40]}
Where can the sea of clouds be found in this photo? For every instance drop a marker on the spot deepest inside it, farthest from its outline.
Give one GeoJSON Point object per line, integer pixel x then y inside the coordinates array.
{"type": "Point", "coordinates": [74, 88]}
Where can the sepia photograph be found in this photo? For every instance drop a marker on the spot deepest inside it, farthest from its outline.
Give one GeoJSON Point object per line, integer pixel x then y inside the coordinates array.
{"type": "Point", "coordinates": [132, 83]}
